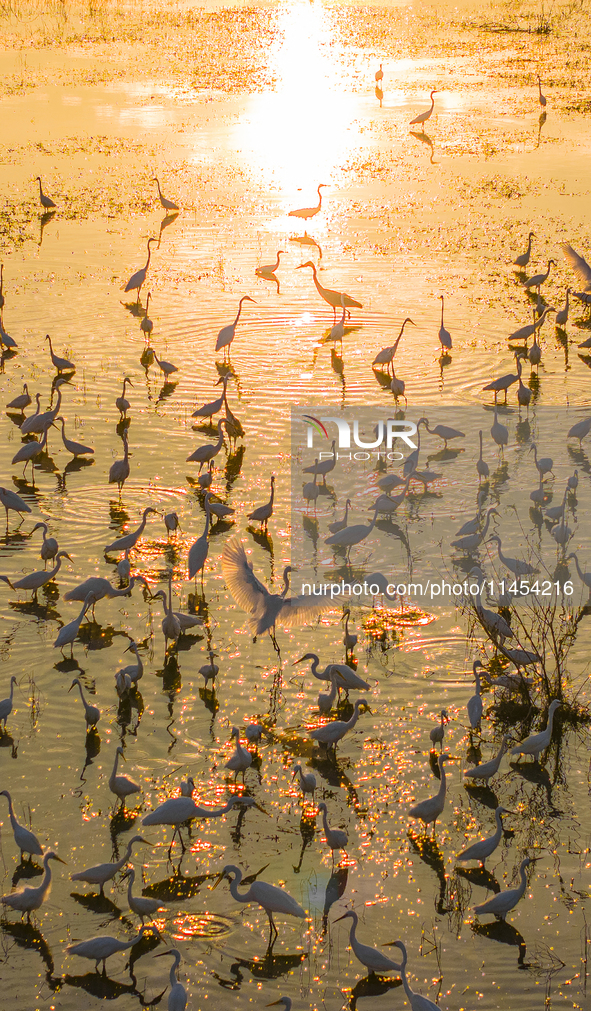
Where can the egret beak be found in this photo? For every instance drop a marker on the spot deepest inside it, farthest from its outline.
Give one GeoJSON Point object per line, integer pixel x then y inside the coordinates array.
{"type": "Point", "coordinates": [161, 953]}
{"type": "Point", "coordinates": [296, 662]}
{"type": "Point", "coordinates": [275, 1002]}
{"type": "Point", "coordinates": [59, 859]}
{"type": "Point", "coordinates": [340, 918]}
{"type": "Point", "coordinates": [219, 880]}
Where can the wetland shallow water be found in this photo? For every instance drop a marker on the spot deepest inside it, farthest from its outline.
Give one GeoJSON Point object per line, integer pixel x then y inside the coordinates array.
{"type": "Point", "coordinates": [242, 112]}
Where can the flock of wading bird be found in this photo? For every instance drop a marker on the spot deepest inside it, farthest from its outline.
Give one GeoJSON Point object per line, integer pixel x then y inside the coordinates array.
{"type": "Point", "coordinates": [266, 610]}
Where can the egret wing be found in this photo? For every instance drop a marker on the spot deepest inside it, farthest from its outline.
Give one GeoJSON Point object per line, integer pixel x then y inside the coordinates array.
{"type": "Point", "coordinates": [578, 264]}
{"type": "Point", "coordinates": [302, 609]}
{"type": "Point", "coordinates": [248, 591]}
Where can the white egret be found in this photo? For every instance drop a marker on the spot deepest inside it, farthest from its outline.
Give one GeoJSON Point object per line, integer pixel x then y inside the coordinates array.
{"type": "Point", "coordinates": [541, 97]}
{"type": "Point", "coordinates": [101, 587]}
{"type": "Point", "coordinates": [27, 899]}
{"type": "Point", "coordinates": [486, 770]}
{"type": "Point", "coordinates": [485, 847]}
{"type": "Point", "coordinates": [241, 758]}
{"type": "Point", "coordinates": [326, 700]}
{"type": "Point", "coordinates": [49, 547]}
{"type": "Point", "coordinates": [253, 732]}
{"type": "Point", "coordinates": [209, 671]}
{"type": "Point", "coordinates": [386, 355]}
{"type": "Point", "coordinates": [311, 490]}
{"type": "Point", "coordinates": [481, 465]}
{"type": "Point", "coordinates": [44, 200]}
{"type": "Point", "coordinates": [171, 626]}
{"type": "Point", "coordinates": [134, 671]}
{"type": "Point", "coordinates": [323, 467]}
{"type": "Point", "coordinates": [130, 540]}
{"type": "Point", "coordinates": [585, 577]}
{"type": "Point", "coordinates": [137, 280]}
{"type": "Point", "coordinates": [505, 901]}
{"type": "Point", "coordinates": [265, 609]}
{"type": "Point", "coordinates": [26, 840]}
{"type": "Point", "coordinates": [523, 259]}
{"type": "Point", "coordinates": [524, 393]}
{"type": "Point", "coordinates": [187, 787]}
{"type": "Point", "coordinates": [379, 74]}
{"type": "Point", "coordinates": [168, 205]}
{"type": "Point", "coordinates": [124, 566]}
{"type": "Point", "coordinates": [578, 431]}
{"type": "Point", "coordinates": [119, 470]}
{"type": "Point", "coordinates": [269, 897]}
{"type": "Point", "coordinates": [177, 997]}
{"type": "Point", "coordinates": [475, 702]}
{"type": "Point", "coordinates": [269, 268]}
{"type": "Point", "coordinates": [442, 431]}
{"type": "Point", "coordinates": [75, 448]}
{"type": "Point", "coordinates": [535, 357]}
{"type": "Point", "coordinates": [9, 500]}
{"type": "Point", "coordinates": [38, 423]}
{"type": "Point", "coordinates": [101, 873]}
{"type": "Point", "coordinates": [444, 335]}
{"type": "Point", "coordinates": [429, 810]}
{"type": "Point", "coordinates": [167, 368]}
{"type": "Point", "coordinates": [499, 432]}
{"type": "Point", "coordinates": [6, 704]}
{"type": "Point", "coordinates": [345, 676]}
{"type": "Point", "coordinates": [35, 580]}
{"type": "Point", "coordinates": [333, 298]}
{"type": "Point", "coordinates": [121, 786]}
{"type": "Point", "coordinates": [29, 452]}
{"type": "Point", "coordinates": [208, 410]}
{"type": "Point", "coordinates": [544, 465]}
{"type": "Point", "coordinates": [353, 535]}
{"type": "Point", "coordinates": [199, 550]}
{"type": "Point", "coordinates": [538, 279]}
{"type": "Point", "coordinates": [68, 633]}
{"type": "Point", "coordinates": [331, 733]}
{"type": "Point", "coordinates": [206, 453]}
{"type": "Point", "coordinates": [525, 332]}
{"type": "Point", "coordinates": [171, 522]}
{"type": "Point", "coordinates": [140, 904]}
{"type": "Point", "coordinates": [309, 212]}
{"type": "Point", "coordinates": [178, 810]}
{"type": "Point", "coordinates": [307, 780]}
{"type": "Point", "coordinates": [61, 364]}
{"type": "Point", "coordinates": [422, 118]}
{"type": "Point", "coordinates": [99, 949]}
{"type": "Point", "coordinates": [349, 639]}
{"type": "Point", "coordinates": [228, 333]}
{"type": "Point", "coordinates": [36, 414]}
{"type": "Point", "coordinates": [371, 958]}
{"type": "Point", "coordinates": [336, 838]}
{"type": "Point", "coordinates": [470, 542]}
{"type": "Point", "coordinates": [562, 314]}
{"type": "Point", "coordinates": [262, 514]}
{"type": "Point", "coordinates": [340, 524]}
{"type": "Point", "coordinates": [536, 743]}
{"type": "Point", "coordinates": [416, 1000]}
{"type": "Point", "coordinates": [437, 733]}
{"type": "Point", "coordinates": [19, 403]}
{"type": "Point", "coordinates": [122, 403]}
{"type": "Point", "coordinates": [146, 326]}
{"type": "Point", "coordinates": [517, 566]}
{"type": "Point", "coordinates": [491, 621]}
{"type": "Point", "coordinates": [91, 713]}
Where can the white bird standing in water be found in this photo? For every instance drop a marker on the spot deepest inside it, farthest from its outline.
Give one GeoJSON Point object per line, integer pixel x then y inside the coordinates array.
{"type": "Point", "coordinates": [241, 758]}
{"type": "Point", "coordinates": [101, 873]}
{"type": "Point", "coordinates": [437, 733]}
{"type": "Point", "coordinates": [486, 847]}
{"type": "Point", "coordinates": [49, 547]}
{"type": "Point", "coordinates": [541, 97]}
{"type": "Point", "coordinates": [371, 958]}
{"type": "Point", "coordinates": [486, 770]}
{"type": "Point", "coordinates": [263, 513]}
{"type": "Point", "coordinates": [523, 259]}
{"type": "Point", "coordinates": [309, 212]}
{"type": "Point", "coordinates": [336, 838]}
{"type": "Point", "coordinates": [122, 403]}
{"type": "Point", "coordinates": [119, 470]}
{"type": "Point", "coordinates": [137, 280]}
{"type": "Point", "coordinates": [331, 733]}
{"type": "Point", "coordinates": [168, 205]}
{"type": "Point", "coordinates": [75, 448]}
{"type": "Point", "coordinates": [345, 676]}
{"type": "Point", "coordinates": [336, 299]}
{"type": "Point", "coordinates": [68, 633]}
{"type": "Point", "coordinates": [26, 840]}
{"type": "Point", "coordinates": [140, 904]}
{"type": "Point", "coordinates": [178, 810]}
{"type": "Point", "coordinates": [416, 1000]}
{"type": "Point", "coordinates": [444, 335]}
{"type": "Point", "coordinates": [536, 743]}
{"type": "Point", "coordinates": [228, 333]}
{"type": "Point", "coordinates": [475, 702]}
{"type": "Point", "coordinates": [422, 118]}
{"type": "Point", "coordinates": [129, 541]}
{"type": "Point", "coordinates": [27, 899]}
{"type": "Point", "coordinates": [429, 810]}
{"type": "Point", "coordinates": [307, 780]}
{"type": "Point", "coordinates": [92, 713]}
{"type": "Point", "coordinates": [177, 997]}
{"type": "Point", "coordinates": [100, 948]}
{"type": "Point", "coordinates": [44, 200]}
{"type": "Point", "coordinates": [504, 902]}
{"type": "Point", "coordinates": [269, 897]}
{"type": "Point", "coordinates": [269, 269]}
{"type": "Point", "coordinates": [121, 786]}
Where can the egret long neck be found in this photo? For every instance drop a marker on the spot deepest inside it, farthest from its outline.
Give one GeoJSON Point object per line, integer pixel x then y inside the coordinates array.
{"type": "Point", "coordinates": [114, 772]}
{"type": "Point", "coordinates": [234, 889]}
{"type": "Point", "coordinates": [46, 882]}
{"type": "Point", "coordinates": [442, 785]}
